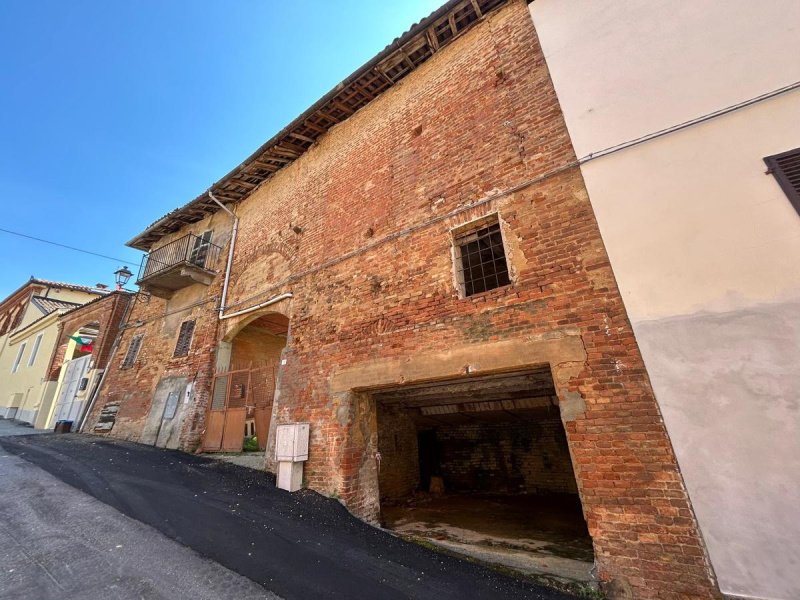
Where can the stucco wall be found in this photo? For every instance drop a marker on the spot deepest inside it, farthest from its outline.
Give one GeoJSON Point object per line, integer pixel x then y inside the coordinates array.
{"type": "Point", "coordinates": [703, 244]}
{"type": "Point", "coordinates": [29, 380]}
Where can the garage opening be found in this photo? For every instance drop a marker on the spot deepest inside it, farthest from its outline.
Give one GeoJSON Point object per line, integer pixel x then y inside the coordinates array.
{"type": "Point", "coordinates": [243, 392]}
{"type": "Point", "coordinates": [481, 466]}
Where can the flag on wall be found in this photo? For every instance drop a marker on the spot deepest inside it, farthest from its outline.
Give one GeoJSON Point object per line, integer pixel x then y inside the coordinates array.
{"type": "Point", "coordinates": [84, 343]}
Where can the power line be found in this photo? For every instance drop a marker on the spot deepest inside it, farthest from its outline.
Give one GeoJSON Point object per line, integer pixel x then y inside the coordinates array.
{"type": "Point", "coordinates": [30, 237]}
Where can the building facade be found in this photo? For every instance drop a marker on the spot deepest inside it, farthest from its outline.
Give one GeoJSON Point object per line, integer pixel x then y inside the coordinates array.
{"type": "Point", "coordinates": [415, 253]}
{"type": "Point", "coordinates": [82, 349]}
{"type": "Point", "coordinates": [28, 334]}
{"type": "Point", "coordinates": [674, 108]}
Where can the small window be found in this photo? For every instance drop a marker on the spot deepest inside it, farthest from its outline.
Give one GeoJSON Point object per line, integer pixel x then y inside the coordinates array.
{"type": "Point", "coordinates": [481, 258]}
{"type": "Point", "coordinates": [18, 360]}
{"type": "Point", "coordinates": [36, 343]}
{"type": "Point", "coordinates": [785, 168]}
{"type": "Point", "coordinates": [133, 351]}
{"type": "Point", "coordinates": [184, 339]}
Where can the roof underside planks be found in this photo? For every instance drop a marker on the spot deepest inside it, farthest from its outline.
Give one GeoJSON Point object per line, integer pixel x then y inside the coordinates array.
{"type": "Point", "coordinates": [394, 63]}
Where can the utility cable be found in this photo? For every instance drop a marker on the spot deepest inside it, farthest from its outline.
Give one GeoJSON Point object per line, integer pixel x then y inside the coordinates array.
{"type": "Point", "coordinates": [30, 237]}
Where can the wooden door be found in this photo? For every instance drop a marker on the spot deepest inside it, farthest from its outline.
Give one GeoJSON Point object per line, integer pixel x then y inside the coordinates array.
{"type": "Point", "coordinates": [262, 416]}
{"type": "Point", "coordinates": [215, 419]}
{"type": "Point", "coordinates": [65, 404]}
{"type": "Point", "coordinates": [233, 430]}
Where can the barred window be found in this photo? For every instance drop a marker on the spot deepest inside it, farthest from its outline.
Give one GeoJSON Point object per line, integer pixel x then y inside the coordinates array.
{"type": "Point", "coordinates": [481, 258]}
{"type": "Point", "coordinates": [184, 339]}
{"type": "Point", "coordinates": [133, 351]}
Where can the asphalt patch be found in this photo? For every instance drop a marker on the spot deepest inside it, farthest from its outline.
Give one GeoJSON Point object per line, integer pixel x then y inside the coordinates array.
{"type": "Point", "coordinates": [300, 545]}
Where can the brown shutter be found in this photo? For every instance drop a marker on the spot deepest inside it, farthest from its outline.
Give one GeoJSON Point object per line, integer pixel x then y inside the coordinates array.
{"type": "Point", "coordinates": [184, 339]}
{"type": "Point", "coordinates": [133, 352]}
{"type": "Point", "coordinates": [785, 168]}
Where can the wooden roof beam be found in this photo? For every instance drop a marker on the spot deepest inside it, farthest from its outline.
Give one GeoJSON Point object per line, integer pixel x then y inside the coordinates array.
{"type": "Point", "coordinates": [301, 137]}
{"type": "Point", "coordinates": [433, 40]}
{"type": "Point", "coordinates": [451, 19]}
{"type": "Point", "coordinates": [284, 143]}
{"type": "Point", "coordinates": [242, 183]}
{"type": "Point", "coordinates": [315, 127]}
{"type": "Point", "coordinates": [383, 76]}
{"type": "Point", "coordinates": [476, 7]}
{"type": "Point", "coordinates": [342, 107]}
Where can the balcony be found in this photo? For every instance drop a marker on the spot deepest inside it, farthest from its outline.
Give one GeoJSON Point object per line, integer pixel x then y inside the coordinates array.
{"type": "Point", "coordinates": [186, 261]}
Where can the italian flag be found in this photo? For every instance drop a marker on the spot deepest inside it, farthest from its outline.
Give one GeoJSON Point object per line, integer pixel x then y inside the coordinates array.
{"type": "Point", "coordinates": [84, 343]}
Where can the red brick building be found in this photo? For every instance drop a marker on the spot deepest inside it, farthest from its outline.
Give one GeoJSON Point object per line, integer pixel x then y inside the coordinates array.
{"type": "Point", "coordinates": [77, 369]}
{"type": "Point", "coordinates": [417, 272]}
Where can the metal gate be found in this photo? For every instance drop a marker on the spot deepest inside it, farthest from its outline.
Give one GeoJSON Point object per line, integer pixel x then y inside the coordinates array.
{"type": "Point", "coordinates": [68, 407]}
{"type": "Point", "coordinates": [237, 396]}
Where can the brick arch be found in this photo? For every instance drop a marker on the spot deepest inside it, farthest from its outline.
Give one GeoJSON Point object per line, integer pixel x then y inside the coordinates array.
{"type": "Point", "coordinates": [239, 323]}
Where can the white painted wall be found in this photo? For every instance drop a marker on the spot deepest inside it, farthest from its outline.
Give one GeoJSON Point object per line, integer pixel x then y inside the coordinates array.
{"type": "Point", "coordinates": [704, 245]}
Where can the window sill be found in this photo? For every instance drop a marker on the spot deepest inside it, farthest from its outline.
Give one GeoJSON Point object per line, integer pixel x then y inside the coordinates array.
{"type": "Point", "coordinates": [497, 292]}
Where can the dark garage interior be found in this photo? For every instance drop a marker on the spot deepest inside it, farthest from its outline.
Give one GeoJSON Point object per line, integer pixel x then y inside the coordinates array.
{"type": "Point", "coordinates": [481, 466]}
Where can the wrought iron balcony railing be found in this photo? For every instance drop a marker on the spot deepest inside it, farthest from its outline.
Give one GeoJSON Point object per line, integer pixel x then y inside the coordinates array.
{"type": "Point", "coordinates": [187, 260]}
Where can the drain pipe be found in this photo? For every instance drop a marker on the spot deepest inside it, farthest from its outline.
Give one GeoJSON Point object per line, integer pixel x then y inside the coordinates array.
{"type": "Point", "coordinates": [273, 300]}
{"type": "Point", "coordinates": [230, 252]}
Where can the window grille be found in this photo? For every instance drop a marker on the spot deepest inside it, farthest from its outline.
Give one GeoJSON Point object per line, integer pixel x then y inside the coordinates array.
{"type": "Point", "coordinates": [481, 259]}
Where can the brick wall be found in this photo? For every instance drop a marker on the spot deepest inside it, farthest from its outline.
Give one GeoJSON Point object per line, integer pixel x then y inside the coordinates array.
{"type": "Point", "coordinates": [514, 456]}
{"type": "Point", "coordinates": [397, 442]}
{"type": "Point", "coordinates": [108, 312]}
{"type": "Point", "coordinates": [133, 388]}
{"type": "Point", "coordinates": [506, 457]}
{"type": "Point", "coordinates": [253, 345]}
{"type": "Point", "coordinates": [372, 280]}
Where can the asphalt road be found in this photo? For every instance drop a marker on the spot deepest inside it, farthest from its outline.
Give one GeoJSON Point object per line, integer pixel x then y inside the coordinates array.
{"type": "Point", "coordinates": [59, 543]}
{"type": "Point", "coordinates": [13, 428]}
{"type": "Point", "coordinates": [300, 545]}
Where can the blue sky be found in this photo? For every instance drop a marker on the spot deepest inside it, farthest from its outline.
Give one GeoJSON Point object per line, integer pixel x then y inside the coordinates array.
{"type": "Point", "coordinates": [114, 113]}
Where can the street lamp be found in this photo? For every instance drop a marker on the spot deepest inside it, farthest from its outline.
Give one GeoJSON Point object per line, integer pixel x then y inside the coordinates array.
{"type": "Point", "coordinates": [122, 276]}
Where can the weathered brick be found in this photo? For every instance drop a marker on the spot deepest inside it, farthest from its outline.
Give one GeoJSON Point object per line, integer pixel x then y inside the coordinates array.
{"type": "Point", "coordinates": [358, 230]}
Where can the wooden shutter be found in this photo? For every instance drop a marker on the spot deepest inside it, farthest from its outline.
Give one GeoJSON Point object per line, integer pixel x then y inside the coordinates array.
{"type": "Point", "coordinates": [133, 352]}
{"type": "Point", "coordinates": [184, 339]}
{"type": "Point", "coordinates": [785, 168]}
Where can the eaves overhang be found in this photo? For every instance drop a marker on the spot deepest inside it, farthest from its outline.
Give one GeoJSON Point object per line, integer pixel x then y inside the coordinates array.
{"type": "Point", "coordinates": [389, 67]}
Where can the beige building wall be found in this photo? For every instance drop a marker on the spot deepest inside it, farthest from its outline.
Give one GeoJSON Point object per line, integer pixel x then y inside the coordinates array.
{"type": "Point", "coordinates": [27, 389]}
{"type": "Point", "coordinates": [28, 383]}
{"type": "Point", "coordinates": [704, 245]}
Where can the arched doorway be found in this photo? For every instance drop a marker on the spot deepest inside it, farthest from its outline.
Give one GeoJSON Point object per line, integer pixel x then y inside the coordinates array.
{"type": "Point", "coordinates": [244, 386]}
{"type": "Point", "coordinates": [73, 389]}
